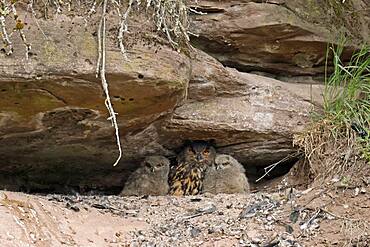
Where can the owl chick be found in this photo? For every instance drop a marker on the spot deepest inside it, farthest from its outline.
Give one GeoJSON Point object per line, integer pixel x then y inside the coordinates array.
{"type": "Point", "coordinates": [186, 178]}
{"type": "Point", "coordinates": [226, 176]}
{"type": "Point", "coordinates": [151, 178]}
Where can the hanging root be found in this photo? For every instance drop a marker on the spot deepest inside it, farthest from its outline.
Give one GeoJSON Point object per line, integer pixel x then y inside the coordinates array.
{"type": "Point", "coordinates": [123, 29]}
{"type": "Point", "coordinates": [19, 28]}
{"type": "Point", "coordinates": [5, 37]}
{"type": "Point", "coordinates": [5, 10]}
{"type": "Point", "coordinates": [101, 72]}
{"type": "Point", "coordinates": [9, 9]}
{"type": "Point", "coordinates": [169, 18]}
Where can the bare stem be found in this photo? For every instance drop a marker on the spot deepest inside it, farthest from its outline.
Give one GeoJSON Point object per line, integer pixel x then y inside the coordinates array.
{"type": "Point", "coordinates": [101, 72]}
{"type": "Point", "coordinates": [124, 29]}
{"type": "Point", "coordinates": [5, 37]}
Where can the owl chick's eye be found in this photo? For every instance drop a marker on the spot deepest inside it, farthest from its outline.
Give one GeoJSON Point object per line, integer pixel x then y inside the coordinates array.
{"type": "Point", "coordinates": [206, 152]}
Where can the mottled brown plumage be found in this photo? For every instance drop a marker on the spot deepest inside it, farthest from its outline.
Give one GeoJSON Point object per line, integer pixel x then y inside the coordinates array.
{"type": "Point", "coordinates": [226, 176]}
{"type": "Point", "coordinates": [150, 178]}
{"type": "Point", "coordinates": [186, 178]}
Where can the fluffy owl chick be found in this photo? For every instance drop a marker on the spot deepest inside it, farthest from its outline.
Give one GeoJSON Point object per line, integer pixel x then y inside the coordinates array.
{"type": "Point", "coordinates": [186, 178]}
{"type": "Point", "coordinates": [226, 176]}
{"type": "Point", "coordinates": [151, 178]}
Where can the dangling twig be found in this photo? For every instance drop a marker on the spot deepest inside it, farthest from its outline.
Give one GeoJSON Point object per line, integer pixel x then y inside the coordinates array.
{"type": "Point", "coordinates": [269, 168]}
{"type": "Point", "coordinates": [124, 29]}
{"type": "Point", "coordinates": [5, 37]}
{"type": "Point", "coordinates": [100, 71]}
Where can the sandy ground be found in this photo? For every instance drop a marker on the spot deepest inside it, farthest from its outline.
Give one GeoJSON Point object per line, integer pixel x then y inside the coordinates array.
{"type": "Point", "coordinates": [313, 217]}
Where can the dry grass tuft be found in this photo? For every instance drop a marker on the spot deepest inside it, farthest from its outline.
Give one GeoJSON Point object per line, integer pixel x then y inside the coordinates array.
{"type": "Point", "coordinates": [332, 151]}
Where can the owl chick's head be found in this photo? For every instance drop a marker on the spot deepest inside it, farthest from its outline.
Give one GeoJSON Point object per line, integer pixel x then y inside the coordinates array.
{"type": "Point", "coordinates": [156, 163]}
{"type": "Point", "coordinates": [223, 162]}
{"type": "Point", "coordinates": [201, 152]}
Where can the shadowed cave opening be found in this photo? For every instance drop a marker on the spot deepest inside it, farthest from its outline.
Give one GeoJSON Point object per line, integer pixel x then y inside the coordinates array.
{"type": "Point", "coordinates": [260, 177]}
{"type": "Point", "coordinates": [53, 180]}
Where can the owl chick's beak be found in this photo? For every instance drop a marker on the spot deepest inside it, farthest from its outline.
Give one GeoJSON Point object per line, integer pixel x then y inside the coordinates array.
{"type": "Point", "coordinates": [199, 157]}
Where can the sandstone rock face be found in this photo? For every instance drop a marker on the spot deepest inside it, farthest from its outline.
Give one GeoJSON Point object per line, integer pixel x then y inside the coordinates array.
{"type": "Point", "coordinates": [284, 39]}
{"type": "Point", "coordinates": [255, 128]}
{"type": "Point", "coordinates": [53, 127]}
{"type": "Point", "coordinates": [52, 113]}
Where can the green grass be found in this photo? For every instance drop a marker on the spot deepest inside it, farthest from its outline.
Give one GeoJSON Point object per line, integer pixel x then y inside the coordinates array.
{"type": "Point", "coordinates": [347, 95]}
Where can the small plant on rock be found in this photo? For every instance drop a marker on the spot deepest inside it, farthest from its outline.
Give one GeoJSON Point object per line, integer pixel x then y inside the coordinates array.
{"type": "Point", "coordinates": [337, 142]}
